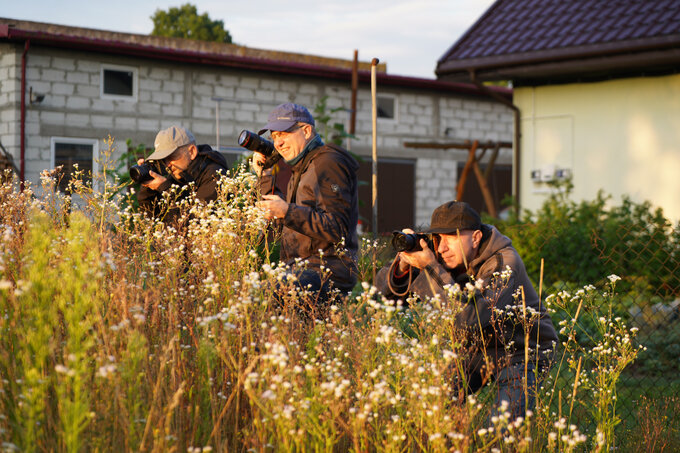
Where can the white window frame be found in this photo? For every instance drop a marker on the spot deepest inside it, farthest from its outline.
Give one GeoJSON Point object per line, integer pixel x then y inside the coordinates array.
{"type": "Point", "coordinates": [395, 100]}
{"type": "Point", "coordinates": [77, 141]}
{"type": "Point", "coordinates": [119, 97]}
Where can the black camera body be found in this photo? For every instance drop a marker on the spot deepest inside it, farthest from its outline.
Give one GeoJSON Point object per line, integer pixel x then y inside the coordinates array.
{"type": "Point", "coordinates": [409, 242]}
{"type": "Point", "coordinates": [253, 142]}
{"type": "Point", "coordinates": [140, 173]}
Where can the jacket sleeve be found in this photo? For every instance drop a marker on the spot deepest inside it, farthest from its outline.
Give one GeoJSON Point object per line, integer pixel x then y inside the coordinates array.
{"type": "Point", "coordinates": [206, 185]}
{"type": "Point", "coordinates": [148, 198]}
{"type": "Point", "coordinates": [426, 283]}
{"type": "Point", "coordinates": [392, 286]}
{"type": "Point", "coordinates": [325, 211]}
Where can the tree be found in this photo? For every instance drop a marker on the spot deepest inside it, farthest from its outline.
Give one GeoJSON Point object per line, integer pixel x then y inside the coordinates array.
{"type": "Point", "coordinates": [184, 22]}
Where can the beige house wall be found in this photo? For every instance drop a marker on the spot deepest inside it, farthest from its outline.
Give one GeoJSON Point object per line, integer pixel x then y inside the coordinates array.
{"type": "Point", "coordinates": [620, 136]}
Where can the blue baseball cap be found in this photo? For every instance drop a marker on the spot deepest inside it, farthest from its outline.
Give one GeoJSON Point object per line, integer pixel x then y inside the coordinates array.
{"type": "Point", "coordinates": [285, 116]}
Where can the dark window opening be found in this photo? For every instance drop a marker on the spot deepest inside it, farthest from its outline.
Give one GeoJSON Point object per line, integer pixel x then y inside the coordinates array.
{"type": "Point", "coordinates": [385, 107]}
{"type": "Point", "coordinates": [70, 154]}
{"type": "Point", "coordinates": [118, 83]}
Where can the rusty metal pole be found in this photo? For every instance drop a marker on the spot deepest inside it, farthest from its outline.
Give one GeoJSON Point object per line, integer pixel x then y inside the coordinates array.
{"type": "Point", "coordinates": [355, 88]}
{"type": "Point", "coordinates": [374, 114]}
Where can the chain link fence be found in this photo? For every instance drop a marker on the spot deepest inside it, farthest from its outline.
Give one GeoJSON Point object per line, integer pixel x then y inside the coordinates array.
{"type": "Point", "coordinates": [643, 249]}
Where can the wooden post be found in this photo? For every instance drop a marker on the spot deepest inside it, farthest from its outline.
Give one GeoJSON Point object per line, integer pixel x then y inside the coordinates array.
{"type": "Point", "coordinates": [374, 113]}
{"type": "Point", "coordinates": [488, 197]}
{"type": "Point", "coordinates": [460, 190]}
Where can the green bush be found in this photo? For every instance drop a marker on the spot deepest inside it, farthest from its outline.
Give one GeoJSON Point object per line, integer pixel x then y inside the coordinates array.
{"type": "Point", "coordinates": [589, 240]}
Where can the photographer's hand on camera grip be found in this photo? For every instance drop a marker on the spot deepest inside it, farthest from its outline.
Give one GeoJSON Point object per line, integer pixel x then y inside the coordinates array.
{"type": "Point", "coordinates": [421, 258]}
{"type": "Point", "coordinates": [257, 163]}
{"type": "Point", "coordinates": [158, 181]}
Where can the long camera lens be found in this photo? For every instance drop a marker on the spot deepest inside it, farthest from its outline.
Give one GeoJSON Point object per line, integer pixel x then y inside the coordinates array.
{"type": "Point", "coordinates": [253, 142]}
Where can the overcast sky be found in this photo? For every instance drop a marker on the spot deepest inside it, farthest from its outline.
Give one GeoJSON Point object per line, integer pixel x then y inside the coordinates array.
{"type": "Point", "coordinates": [409, 35]}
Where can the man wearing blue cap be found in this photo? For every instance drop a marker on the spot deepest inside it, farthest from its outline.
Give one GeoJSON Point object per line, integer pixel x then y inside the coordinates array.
{"type": "Point", "coordinates": [321, 207]}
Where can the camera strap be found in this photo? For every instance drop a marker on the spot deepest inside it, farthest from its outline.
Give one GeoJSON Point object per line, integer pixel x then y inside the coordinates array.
{"type": "Point", "coordinates": [390, 273]}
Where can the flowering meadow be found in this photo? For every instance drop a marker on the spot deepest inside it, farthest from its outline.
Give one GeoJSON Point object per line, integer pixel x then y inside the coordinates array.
{"type": "Point", "coordinates": [121, 333]}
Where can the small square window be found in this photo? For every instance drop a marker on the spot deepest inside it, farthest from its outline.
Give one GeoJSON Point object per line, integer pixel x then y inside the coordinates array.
{"type": "Point", "coordinates": [119, 82]}
{"type": "Point", "coordinates": [70, 152]}
{"type": "Point", "coordinates": [386, 107]}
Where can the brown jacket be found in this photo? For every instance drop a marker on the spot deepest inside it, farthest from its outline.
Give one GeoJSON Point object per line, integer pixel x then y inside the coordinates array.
{"type": "Point", "coordinates": [323, 212]}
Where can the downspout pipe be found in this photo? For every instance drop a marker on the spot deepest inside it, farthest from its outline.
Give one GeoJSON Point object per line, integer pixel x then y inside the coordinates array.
{"type": "Point", "coordinates": [22, 163]}
{"type": "Point", "coordinates": [516, 135]}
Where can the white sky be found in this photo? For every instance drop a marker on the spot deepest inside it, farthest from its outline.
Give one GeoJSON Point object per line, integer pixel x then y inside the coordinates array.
{"type": "Point", "coordinates": [409, 35]}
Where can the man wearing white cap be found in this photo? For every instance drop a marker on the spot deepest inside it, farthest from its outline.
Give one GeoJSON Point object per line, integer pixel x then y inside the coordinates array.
{"type": "Point", "coordinates": [186, 162]}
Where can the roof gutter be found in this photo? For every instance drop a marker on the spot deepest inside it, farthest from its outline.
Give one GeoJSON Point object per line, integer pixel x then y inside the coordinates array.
{"type": "Point", "coordinates": [233, 61]}
{"type": "Point", "coordinates": [567, 54]}
{"type": "Point", "coordinates": [516, 133]}
{"type": "Point", "coordinates": [22, 159]}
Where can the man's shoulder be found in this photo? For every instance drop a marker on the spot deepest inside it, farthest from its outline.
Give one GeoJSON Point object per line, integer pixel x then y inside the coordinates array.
{"type": "Point", "coordinates": [331, 153]}
{"type": "Point", "coordinates": [213, 161]}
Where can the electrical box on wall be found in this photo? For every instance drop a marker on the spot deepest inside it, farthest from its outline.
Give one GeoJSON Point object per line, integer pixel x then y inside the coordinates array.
{"type": "Point", "coordinates": [562, 174]}
{"type": "Point", "coordinates": [549, 173]}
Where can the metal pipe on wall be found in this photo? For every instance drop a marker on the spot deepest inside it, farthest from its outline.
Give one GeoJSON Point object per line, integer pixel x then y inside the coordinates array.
{"type": "Point", "coordinates": [22, 159]}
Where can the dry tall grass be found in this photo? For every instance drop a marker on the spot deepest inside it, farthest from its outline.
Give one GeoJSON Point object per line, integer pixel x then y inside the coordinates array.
{"type": "Point", "coordinates": [120, 333]}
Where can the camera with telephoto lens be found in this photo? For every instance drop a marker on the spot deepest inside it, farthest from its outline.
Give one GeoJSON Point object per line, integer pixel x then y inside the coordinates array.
{"type": "Point", "coordinates": [253, 142]}
{"type": "Point", "coordinates": [409, 242]}
{"type": "Point", "coordinates": [140, 173]}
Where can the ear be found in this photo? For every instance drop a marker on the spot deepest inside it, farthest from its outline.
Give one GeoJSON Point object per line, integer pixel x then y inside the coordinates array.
{"type": "Point", "coordinates": [476, 238]}
{"type": "Point", "coordinates": [307, 128]}
{"type": "Point", "coordinates": [193, 151]}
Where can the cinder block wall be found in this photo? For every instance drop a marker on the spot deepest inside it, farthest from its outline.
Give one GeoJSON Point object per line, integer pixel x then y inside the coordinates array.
{"type": "Point", "coordinates": [183, 94]}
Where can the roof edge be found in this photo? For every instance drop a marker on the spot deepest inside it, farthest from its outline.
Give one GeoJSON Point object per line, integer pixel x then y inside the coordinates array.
{"type": "Point", "coordinates": [270, 64]}
{"type": "Point", "coordinates": [559, 55]}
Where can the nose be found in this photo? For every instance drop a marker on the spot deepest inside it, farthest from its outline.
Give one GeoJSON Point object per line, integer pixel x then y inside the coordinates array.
{"type": "Point", "coordinates": [442, 246]}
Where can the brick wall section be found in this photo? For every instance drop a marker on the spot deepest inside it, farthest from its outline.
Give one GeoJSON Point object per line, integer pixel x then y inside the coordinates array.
{"type": "Point", "coordinates": [10, 85]}
{"type": "Point", "coordinates": [435, 185]}
{"type": "Point", "coordinates": [183, 94]}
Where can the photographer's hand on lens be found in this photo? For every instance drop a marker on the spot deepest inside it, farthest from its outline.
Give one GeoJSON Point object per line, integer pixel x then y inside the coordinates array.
{"type": "Point", "coordinates": [419, 259]}
{"type": "Point", "coordinates": [257, 163]}
{"type": "Point", "coordinates": [157, 180]}
{"type": "Point", "coordinates": [274, 206]}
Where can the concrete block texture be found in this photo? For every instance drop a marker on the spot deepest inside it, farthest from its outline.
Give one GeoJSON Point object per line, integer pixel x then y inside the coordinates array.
{"type": "Point", "coordinates": [182, 94]}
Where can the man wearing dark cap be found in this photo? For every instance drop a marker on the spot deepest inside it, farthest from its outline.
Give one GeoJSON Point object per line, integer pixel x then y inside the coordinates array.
{"type": "Point", "coordinates": [319, 212]}
{"type": "Point", "coordinates": [185, 162]}
{"type": "Point", "coordinates": [494, 282]}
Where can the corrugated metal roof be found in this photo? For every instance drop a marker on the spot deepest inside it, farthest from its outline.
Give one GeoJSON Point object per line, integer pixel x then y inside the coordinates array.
{"type": "Point", "coordinates": [515, 32]}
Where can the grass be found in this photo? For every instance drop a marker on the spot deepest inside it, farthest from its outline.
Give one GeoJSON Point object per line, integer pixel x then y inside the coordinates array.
{"type": "Point", "coordinates": [120, 333]}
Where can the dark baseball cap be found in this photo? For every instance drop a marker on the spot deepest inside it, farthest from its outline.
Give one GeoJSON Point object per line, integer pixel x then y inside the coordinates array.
{"type": "Point", "coordinates": [285, 116]}
{"type": "Point", "coordinates": [452, 216]}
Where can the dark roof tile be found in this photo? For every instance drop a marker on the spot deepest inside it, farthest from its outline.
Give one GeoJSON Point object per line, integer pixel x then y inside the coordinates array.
{"type": "Point", "coordinates": [537, 23]}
